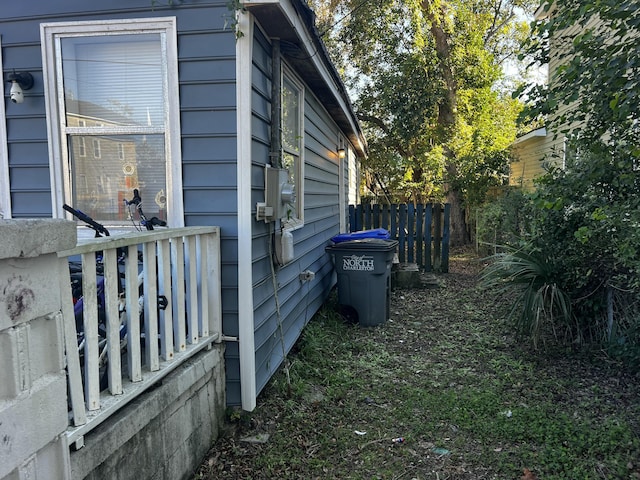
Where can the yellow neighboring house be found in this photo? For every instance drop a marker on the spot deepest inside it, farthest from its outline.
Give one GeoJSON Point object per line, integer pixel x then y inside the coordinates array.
{"type": "Point", "coordinates": [536, 150]}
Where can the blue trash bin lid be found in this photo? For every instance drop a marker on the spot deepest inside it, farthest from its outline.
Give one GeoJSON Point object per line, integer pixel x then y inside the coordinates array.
{"type": "Point", "coordinates": [374, 233]}
{"type": "Point", "coordinates": [364, 244]}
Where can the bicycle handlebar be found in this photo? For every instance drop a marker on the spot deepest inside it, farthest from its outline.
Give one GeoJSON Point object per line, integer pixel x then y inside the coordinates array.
{"type": "Point", "coordinates": [136, 200]}
{"type": "Point", "coordinates": [99, 228]}
{"type": "Point", "coordinates": [144, 221]}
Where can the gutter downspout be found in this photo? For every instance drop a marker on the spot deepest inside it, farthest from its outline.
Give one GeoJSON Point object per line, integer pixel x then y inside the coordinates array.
{"type": "Point", "coordinates": [246, 327]}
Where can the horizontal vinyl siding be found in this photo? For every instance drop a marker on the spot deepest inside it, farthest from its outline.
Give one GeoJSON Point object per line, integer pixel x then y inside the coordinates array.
{"type": "Point", "coordinates": [299, 301]}
{"type": "Point", "coordinates": [26, 124]}
{"type": "Point", "coordinates": [560, 45]}
{"type": "Point", "coordinates": [206, 63]}
{"type": "Point", "coordinates": [206, 53]}
{"type": "Point", "coordinates": [207, 94]}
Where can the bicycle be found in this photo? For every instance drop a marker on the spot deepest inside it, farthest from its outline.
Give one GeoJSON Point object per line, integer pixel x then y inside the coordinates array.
{"type": "Point", "coordinates": [135, 204]}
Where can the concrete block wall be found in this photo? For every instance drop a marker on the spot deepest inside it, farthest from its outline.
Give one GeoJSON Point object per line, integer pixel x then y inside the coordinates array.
{"type": "Point", "coordinates": [33, 407]}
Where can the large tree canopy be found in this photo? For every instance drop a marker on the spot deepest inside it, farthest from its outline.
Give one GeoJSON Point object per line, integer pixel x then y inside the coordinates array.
{"type": "Point", "coordinates": [425, 77]}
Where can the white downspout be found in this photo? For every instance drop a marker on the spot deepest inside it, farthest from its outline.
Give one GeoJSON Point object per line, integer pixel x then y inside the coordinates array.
{"type": "Point", "coordinates": [246, 339]}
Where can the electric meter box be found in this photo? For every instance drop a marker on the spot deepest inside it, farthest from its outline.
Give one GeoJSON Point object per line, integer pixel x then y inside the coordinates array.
{"type": "Point", "coordinates": [279, 193]}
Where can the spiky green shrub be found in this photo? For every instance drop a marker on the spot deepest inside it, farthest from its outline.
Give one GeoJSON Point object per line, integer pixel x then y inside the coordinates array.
{"type": "Point", "coordinates": [539, 304]}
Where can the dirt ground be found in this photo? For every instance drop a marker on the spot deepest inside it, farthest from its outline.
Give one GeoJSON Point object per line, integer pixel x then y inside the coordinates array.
{"type": "Point", "coordinates": [448, 333]}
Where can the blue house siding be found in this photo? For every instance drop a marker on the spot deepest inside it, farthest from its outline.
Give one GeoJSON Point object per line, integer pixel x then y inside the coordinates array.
{"type": "Point", "coordinates": [298, 301]}
{"type": "Point", "coordinates": [206, 63]}
{"type": "Point", "coordinates": [214, 180]}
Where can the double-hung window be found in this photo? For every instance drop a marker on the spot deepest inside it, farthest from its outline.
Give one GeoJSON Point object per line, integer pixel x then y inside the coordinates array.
{"type": "Point", "coordinates": [113, 114]}
{"type": "Point", "coordinates": [292, 145]}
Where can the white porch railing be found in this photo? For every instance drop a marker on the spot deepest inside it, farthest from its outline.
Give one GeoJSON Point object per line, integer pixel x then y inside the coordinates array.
{"type": "Point", "coordinates": [124, 307]}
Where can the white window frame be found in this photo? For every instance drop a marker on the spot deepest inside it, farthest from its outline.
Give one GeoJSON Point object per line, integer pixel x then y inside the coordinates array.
{"type": "Point", "coordinates": [51, 33]}
{"type": "Point", "coordinates": [296, 221]}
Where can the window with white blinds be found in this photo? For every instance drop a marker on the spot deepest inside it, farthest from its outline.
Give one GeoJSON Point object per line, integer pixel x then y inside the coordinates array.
{"type": "Point", "coordinates": [117, 115]}
{"type": "Point", "coordinates": [292, 145]}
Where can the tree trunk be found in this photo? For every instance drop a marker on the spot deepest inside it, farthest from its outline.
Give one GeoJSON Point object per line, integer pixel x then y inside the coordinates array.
{"type": "Point", "coordinates": [458, 234]}
{"type": "Point", "coordinates": [436, 12]}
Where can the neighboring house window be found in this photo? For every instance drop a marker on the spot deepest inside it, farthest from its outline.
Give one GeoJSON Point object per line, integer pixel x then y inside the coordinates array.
{"type": "Point", "coordinates": [292, 145]}
{"type": "Point", "coordinates": [82, 148]}
{"type": "Point", "coordinates": [114, 84]}
{"type": "Point", "coordinates": [96, 149]}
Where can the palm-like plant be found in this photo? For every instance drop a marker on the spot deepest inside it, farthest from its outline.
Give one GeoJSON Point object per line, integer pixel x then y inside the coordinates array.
{"type": "Point", "coordinates": [533, 277]}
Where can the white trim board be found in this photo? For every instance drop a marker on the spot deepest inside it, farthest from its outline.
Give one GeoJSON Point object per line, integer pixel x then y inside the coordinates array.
{"type": "Point", "coordinates": [244, 52]}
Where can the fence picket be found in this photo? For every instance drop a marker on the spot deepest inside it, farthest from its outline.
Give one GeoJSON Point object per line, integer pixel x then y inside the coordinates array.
{"type": "Point", "coordinates": [90, 328]}
{"type": "Point", "coordinates": [112, 300]}
{"type": "Point", "coordinates": [428, 239]}
{"type": "Point", "coordinates": [150, 287]}
{"type": "Point", "coordinates": [367, 217]}
{"type": "Point", "coordinates": [394, 222]}
{"type": "Point", "coordinates": [376, 216]}
{"type": "Point", "coordinates": [437, 236]}
{"type": "Point", "coordinates": [445, 238]}
{"type": "Point", "coordinates": [352, 215]}
{"type": "Point", "coordinates": [411, 215]}
{"type": "Point", "coordinates": [402, 231]}
{"type": "Point", "coordinates": [134, 361]}
{"type": "Point", "coordinates": [419, 233]}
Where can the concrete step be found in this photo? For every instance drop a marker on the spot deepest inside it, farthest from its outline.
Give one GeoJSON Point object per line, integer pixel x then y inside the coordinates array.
{"type": "Point", "coordinates": [408, 275]}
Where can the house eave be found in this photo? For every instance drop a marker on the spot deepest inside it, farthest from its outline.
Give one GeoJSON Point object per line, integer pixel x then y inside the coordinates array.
{"type": "Point", "coordinates": [293, 23]}
{"type": "Point", "coordinates": [538, 132]}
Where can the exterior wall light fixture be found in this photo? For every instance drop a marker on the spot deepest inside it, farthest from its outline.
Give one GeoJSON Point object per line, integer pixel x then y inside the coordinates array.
{"type": "Point", "coordinates": [19, 82]}
{"type": "Point", "coordinates": [341, 153]}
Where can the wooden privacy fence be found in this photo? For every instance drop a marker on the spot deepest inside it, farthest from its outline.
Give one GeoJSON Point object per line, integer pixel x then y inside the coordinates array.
{"type": "Point", "coordinates": [422, 231]}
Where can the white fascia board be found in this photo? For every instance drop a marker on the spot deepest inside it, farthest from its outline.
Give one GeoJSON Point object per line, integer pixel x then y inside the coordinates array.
{"type": "Point", "coordinates": [539, 132]}
{"type": "Point", "coordinates": [245, 280]}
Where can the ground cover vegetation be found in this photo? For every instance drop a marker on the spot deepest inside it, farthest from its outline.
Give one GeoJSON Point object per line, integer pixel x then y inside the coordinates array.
{"type": "Point", "coordinates": [427, 82]}
{"type": "Point", "coordinates": [572, 248]}
{"type": "Point", "coordinates": [443, 390]}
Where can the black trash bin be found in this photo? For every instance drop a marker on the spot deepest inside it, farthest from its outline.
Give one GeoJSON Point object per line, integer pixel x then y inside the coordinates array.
{"type": "Point", "coordinates": [363, 267]}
